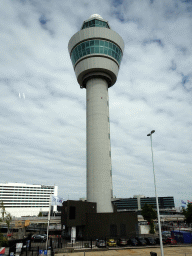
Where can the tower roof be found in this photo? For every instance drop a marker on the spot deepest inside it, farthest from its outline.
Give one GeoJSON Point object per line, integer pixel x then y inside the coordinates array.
{"type": "Point", "coordinates": [95, 20]}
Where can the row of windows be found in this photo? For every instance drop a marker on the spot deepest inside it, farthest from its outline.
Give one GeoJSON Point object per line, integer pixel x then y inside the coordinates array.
{"type": "Point", "coordinates": [25, 203]}
{"type": "Point", "coordinates": [22, 206]}
{"type": "Point", "coordinates": [43, 187]}
{"type": "Point", "coordinates": [23, 188]}
{"type": "Point", "coordinates": [24, 199]}
{"type": "Point", "coordinates": [132, 202]}
{"type": "Point", "coordinates": [96, 46]}
{"type": "Point", "coordinates": [25, 195]}
{"type": "Point", "coordinates": [95, 23]}
{"type": "Point", "coordinates": [23, 192]}
{"type": "Point", "coordinates": [28, 189]}
{"type": "Point", "coordinates": [18, 197]}
{"type": "Point", "coordinates": [18, 206]}
{"type": "Point", "coordinates": [97, 43]}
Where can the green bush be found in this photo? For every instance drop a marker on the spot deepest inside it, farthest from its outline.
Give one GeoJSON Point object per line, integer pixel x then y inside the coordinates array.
{"type": "Point", "coordinates": [3, 241]}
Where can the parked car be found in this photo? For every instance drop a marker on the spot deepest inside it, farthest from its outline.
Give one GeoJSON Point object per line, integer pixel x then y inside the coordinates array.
{"type": "Point", "coordinates": [44, 235]}
{"type": "Point", "coordinates": [101, 243]}
{"type": "Point", "coordinates": [132, 241]}
{"type": "Point", "coordinates": [167, 233]}
{"type": "Point", "coordinates": [121, 242]}
{"type": "Point", "coordinates": [150, 240]}
{"type": "Point", "coordinates": [38, 238]}
{"type": "Point", "coordinates": [111, 242]}
{"type": "Point", "coordinates": [141, 241]}
{"type": "Point", "coordinates": [170, 240]}
{"type": "Point", "coordinates": [158, 241]}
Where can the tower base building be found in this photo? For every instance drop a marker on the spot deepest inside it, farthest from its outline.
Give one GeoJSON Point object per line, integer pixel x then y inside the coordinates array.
{"type": "Point", "coordinates": [82, 221]}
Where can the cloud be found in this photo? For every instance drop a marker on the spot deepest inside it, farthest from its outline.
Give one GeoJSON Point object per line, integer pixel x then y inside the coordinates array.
{"type": "Point", "coordinates": [43, 135]}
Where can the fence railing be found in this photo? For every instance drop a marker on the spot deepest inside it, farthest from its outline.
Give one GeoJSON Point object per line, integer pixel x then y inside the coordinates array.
{"type": "Point", "coordinates": [58, 244]}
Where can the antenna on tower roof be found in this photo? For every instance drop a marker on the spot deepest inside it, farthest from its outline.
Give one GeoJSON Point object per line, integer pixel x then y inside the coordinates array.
{"type": "Point", "coordinates": [96, 16]}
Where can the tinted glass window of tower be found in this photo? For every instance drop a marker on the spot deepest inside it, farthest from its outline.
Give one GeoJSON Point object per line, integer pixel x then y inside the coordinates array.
{"type": "Point", "coordinates": [96, 46]}
{"type": "Point", "coordinates": [95, 23]}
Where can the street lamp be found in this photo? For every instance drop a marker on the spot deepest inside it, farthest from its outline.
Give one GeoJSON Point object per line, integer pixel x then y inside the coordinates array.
{"type": "Point", "coordinates": [157, 203]}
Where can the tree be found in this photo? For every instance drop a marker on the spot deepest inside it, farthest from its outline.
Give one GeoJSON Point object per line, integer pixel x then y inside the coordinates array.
{"type": "Point", "coordinates": [3, 240]}
{"type": "Point", "coordinates": [5, 216]}
{"type": "Point", "coordinates": [188, 213]}
{"type": "Point", "coordinates": [40, 214]}
{"type": "Point", "coordinates": [150, 215]}
{"type": "Point", "coordinates": [3, 212]}
{"type": "Point", "coordinates": [8, 219]}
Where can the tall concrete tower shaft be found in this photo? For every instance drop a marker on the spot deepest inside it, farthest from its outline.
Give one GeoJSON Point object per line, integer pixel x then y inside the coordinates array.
{"type": "Point", "coordinates": [99, 174]}
{"type": "Point", "coordinates": [96, 52]}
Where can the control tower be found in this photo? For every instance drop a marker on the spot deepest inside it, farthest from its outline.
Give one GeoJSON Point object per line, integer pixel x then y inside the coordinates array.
{"type": "Point", "coordinates": [96, 52]}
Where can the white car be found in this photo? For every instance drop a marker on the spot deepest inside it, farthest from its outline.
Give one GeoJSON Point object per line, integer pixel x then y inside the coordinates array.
{"type": "Point", "coordinates": [100, 243]}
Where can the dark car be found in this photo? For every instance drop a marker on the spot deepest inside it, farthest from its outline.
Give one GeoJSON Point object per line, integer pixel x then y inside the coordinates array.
{"type": "Point", "coordinates": [100, 243]}
{"type": "Point", "coordinates": [150, 241]}
{"type": "Point", "coordinates": [38, 238]}
{"type": "Point", "coordinates": [166, 234]}
{"type": "Point", "coordinates": [141, 241]}
{"type": "Point", "coordinates": [121, 242]}
{"type": "Point", "coordinates": [158, 241]}
{"type": "Point", "coordinates": [132, 241]}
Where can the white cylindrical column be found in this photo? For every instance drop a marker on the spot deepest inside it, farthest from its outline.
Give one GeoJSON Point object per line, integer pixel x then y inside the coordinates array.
{"type": "Point", "coordinates": [99, 171]}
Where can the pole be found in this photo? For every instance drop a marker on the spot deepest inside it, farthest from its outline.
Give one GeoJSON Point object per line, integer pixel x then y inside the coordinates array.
{"type": "Point", "coordinates": [157, 203]}
{"type": "Point", "coordinates": [48, 220]}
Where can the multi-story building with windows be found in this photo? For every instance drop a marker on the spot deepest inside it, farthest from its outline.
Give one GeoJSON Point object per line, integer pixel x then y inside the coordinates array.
{"type": "Point", "coordinates": [22, 199]}
{"type": "Point", "coordinates": [166, 204]}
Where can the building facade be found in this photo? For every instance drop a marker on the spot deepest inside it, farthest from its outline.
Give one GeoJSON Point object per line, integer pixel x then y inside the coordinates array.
{"type": "Point", "coordinates": [96, 52]}
{"type": "Point", "coordinates": [22, 199]}
{"type": "Point", "coordinates": [137, 202]}
{"type": "Point", "coordinates": [89, 224]}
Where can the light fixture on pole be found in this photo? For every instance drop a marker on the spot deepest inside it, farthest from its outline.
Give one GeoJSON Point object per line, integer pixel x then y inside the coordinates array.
{"type": "Point", "coordinates": [157, 203]}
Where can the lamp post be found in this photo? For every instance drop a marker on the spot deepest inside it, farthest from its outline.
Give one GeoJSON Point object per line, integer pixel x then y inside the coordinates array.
{"type": "Point", "coordinates": [157, 203]}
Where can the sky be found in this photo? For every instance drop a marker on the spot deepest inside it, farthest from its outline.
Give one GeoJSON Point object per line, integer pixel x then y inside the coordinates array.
{"type": "Point", "coordinates": [43, 109]}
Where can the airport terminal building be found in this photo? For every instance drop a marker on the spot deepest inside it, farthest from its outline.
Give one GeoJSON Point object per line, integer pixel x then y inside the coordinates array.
{"type": "Point", "coordinates": [22, 199]}
{"type": "Point", "coordinates": [136, 203]}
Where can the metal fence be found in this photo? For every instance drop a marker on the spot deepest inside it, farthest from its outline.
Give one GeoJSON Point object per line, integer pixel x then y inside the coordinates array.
{"type": "Point", "coordinates": [58, 244]}
{"type": "Point", "coordinates": [78, 244]}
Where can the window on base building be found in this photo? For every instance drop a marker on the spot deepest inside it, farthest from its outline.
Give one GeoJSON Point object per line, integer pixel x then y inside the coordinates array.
{"type": "Point", "coordinates": [123, 230]}
{"type": "Point", "coordinates": [113, 230]}
{"type": "Point", "coordinates": [72, 212]}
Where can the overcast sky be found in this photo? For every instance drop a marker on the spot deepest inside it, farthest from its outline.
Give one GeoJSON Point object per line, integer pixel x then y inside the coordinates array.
{"type": "Point", "coordinates": [43, 109]}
